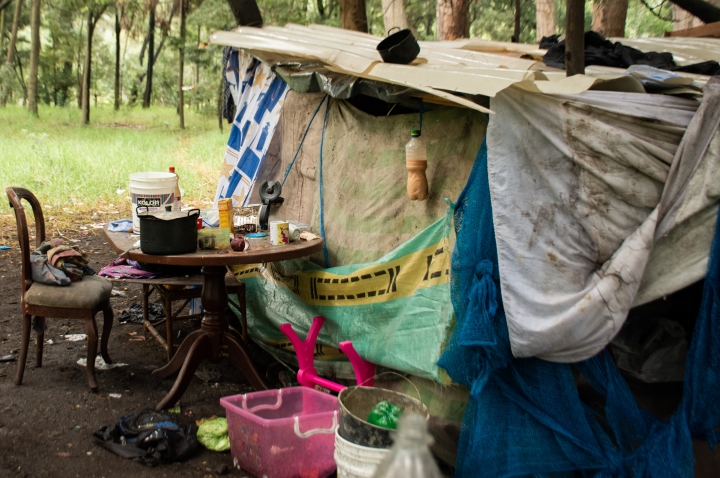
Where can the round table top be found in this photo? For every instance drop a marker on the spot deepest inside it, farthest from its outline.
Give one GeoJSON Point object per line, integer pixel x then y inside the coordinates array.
{"type": "Point", "coordinates": [261, 250]}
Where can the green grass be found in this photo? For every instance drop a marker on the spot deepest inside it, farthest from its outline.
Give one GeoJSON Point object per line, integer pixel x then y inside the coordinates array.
{"type": "Point", "coordinates": [80, 169]}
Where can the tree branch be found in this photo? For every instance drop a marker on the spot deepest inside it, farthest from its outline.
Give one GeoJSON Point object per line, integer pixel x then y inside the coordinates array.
{"type": "Point", "coordinates": [703, 10]}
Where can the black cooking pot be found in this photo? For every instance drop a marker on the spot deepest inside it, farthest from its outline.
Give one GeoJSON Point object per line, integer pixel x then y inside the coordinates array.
{"type": "Point", "coordinates": [400, 47]}
{"type": "Point", "coordinates": [168, 233]}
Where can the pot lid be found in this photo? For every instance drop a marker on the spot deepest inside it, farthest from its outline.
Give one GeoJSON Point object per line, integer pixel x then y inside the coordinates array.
{"type": "Point", "coordinates": [167, 215]}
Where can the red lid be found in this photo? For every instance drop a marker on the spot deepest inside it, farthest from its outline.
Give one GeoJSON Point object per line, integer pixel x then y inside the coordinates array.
{"type": "Point", "coordinates": [171, 169]}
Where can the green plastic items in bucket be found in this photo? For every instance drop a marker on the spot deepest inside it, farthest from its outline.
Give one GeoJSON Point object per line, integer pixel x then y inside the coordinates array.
{"type": "Point", "coordinates": [385, 415]}
{"type": "Point", "coordinates": [213, 434]}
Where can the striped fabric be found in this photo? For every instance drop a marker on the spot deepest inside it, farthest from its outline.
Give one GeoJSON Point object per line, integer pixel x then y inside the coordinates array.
{"type": "Point", "coordinates": [259, 96]}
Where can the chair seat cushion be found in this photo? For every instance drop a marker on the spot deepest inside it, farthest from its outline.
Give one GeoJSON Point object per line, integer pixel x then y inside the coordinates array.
{"type": "Point", "coordinates": [85, 294]}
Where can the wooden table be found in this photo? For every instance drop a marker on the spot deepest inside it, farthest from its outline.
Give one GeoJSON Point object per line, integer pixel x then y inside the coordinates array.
{"type": "Point", "coordinates": [208, 342]}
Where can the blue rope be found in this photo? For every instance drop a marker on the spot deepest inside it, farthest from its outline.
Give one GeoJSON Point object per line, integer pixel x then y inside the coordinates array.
{"type": "Point", "coordinates": [287, 171]}
{"type": "Point", "coordinates": [422, 110]}
{"type": "Point", "coordinates": [322, 215]}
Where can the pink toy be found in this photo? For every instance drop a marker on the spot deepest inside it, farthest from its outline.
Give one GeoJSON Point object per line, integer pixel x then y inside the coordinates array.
{"type": "Point", "coordinates": [304, 349]}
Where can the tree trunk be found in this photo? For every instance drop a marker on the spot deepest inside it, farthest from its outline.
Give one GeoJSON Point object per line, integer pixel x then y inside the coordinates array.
{"type": "Point", "coordinates": [181, 54]}
{"type": "Point", "coordinates": [516, 32]}
{"type": "Point", "coordinates": [353, 15]}
{"type": "Point", "coordinates": [78, 73]}
{"type": "Point", "coordinates": [575, 38]}
{"type": "Point", "coordinates": [2, 29]}
{"type": "Point", "coordinates": [246, 13]}
{"type": "Point", "coordinates": [118, 15]}
{"type": "Point", "coordinates": [87, 69]}
{"type": "Point", "coordinates": [609, 17]}
{"type": "Point", "coordinates": [34, 57]}
{"type": "Point", "coordinates": [394, 14]}
{"type": "Point", "coordinates": [151, 48]}
{"type": "Point", "coordinates": [707, 12]}
{"type": "Point", "coordinates": [452, 19]}
{"type": "Point", "coordinates": [10, 58]}
{"type": "Point", "coordinates": [545, 16]}
{"type": "Point", "coordinates": [220, 102]}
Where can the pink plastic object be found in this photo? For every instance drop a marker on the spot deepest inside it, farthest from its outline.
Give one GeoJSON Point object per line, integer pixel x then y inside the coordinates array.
{"type": "Point", "coordinates": [305, 349]}
{"type": "Point", "coordinates": [283, 433]}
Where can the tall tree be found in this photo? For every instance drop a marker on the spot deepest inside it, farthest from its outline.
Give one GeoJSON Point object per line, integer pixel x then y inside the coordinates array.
{"type": "Point", "coordinates": [118, 17]}
{"type": "Point", "coordinates": [609, 17]}
{"type": "Point", "coordinates": [394, 14]}
{"type": "Point", "coordinates": [246, 13]}
{"type": "Point", "coordinates": [181, 54]}
{"type": "Point", "coordinates": [516, 22]}
{"type": "Point", "coordinates": [545, 17]}
{"type": "Point", "coordinates": [353, 15]}
{"type": "Point", "coordinates": [10, 57]}
{"type": "Point", "coordinates": [453, 19]}
{"type": "Point", "coordinates": [3, 6]}
{"type": "Point", "coordinates": [34, 56]}
{"type": "Point", "coordinates": [94, 13]}
{"type": "Point", "coordinates": [151, 54]}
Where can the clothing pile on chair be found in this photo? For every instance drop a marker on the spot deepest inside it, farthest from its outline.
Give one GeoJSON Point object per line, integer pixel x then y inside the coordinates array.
{"type": "Point", "coordinates": [55, 263]}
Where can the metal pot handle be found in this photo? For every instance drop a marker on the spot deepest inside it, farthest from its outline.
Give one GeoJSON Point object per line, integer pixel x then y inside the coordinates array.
{"type": "Point", "coordinates": [137, 209]}
{"type": "Point", "coordinates": [189, 211]}
{"type": "Point", "coordinates": [310, 433]}
{"type": "Point", "coordinates": [393, 28]}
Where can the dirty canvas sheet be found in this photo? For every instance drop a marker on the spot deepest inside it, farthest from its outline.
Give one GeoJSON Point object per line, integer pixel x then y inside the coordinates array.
{"type": "Point", "coordinates": [598, 206]}
{"type": "Point", "coordinates": [367, 211]}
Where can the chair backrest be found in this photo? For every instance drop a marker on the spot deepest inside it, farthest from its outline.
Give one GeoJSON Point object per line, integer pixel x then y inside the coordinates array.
{"type": "Point", "coordinates": [16, 195]}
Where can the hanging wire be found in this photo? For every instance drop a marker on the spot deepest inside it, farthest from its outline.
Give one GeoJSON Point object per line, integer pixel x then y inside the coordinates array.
{"type": "Point", "coordinates": [322, 214]}
{"type": "Point", "coordinates": [287, 171]}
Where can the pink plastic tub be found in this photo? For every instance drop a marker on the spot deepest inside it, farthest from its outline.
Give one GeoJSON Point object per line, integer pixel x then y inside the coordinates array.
{"type": "Point", "coordinates": [286, 433]}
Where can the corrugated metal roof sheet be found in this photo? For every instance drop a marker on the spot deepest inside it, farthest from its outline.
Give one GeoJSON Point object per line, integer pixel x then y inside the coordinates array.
{"type": "Point", "coordinates": [447, 70]}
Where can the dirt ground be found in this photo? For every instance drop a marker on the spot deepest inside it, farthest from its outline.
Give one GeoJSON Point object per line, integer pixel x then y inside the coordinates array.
{"type": "Point", "coordinates": [46, 424]}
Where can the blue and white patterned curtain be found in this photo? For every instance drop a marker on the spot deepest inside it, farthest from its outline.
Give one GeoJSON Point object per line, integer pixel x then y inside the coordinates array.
{"type": "Point", "coordinates": [259, 96]}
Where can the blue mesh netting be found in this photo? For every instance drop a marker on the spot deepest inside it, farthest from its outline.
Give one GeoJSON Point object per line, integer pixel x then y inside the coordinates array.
{"type": "Point", "coordinates": [525, 417]}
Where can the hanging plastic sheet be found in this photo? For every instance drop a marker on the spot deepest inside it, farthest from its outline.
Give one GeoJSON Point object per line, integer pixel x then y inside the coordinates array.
{"type": "Point", "coordinates": [259, 95]}
{"type": "Point", "coordinates": [615, 207]}
{"type": "Point", "coordinates": [395, 310]}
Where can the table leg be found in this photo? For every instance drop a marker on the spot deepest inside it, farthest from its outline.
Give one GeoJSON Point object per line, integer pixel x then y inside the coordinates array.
{"type": "Point", "coordinates": [198, 352]}
{"type": "Point", "coordinates": [176, 362]}
{"type": "Point", "coordinates": [239, 357]}
{"type": "Point", "coordinates": [207, 343]}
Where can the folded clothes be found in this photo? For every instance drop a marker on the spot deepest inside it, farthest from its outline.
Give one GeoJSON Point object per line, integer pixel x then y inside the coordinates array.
{"type": "Point", "coordinates": [55, 263]}
{"type": "Point", "coordinates": [122, 268]}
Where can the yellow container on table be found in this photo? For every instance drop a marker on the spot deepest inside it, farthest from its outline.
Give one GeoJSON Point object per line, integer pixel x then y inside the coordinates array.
{"type": "Point", "coordinates": [225, 210]}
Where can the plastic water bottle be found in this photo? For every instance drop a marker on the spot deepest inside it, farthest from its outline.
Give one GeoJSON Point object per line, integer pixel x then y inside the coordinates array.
{"type": "Point", "coordinates": [409, 456]}
{"type": "Point", "coordinates": [416, 164]}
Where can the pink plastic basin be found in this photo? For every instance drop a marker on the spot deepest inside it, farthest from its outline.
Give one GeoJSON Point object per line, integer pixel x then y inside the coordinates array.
{"type": "Point", "coordinates": [286, 433]}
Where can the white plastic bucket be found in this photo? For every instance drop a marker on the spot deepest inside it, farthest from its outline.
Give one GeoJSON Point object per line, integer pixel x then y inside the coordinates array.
{"type": "Point", "coordinates": [355, 461]}
{"type": "Point", "coordinates": [151, 190]}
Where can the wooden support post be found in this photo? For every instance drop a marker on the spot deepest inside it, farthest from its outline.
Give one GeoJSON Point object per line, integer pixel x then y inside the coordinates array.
{"type": "Point", "coordinates": [575, 38]}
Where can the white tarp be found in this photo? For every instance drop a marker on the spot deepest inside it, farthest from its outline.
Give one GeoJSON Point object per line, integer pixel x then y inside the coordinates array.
{"type": "Point", "coordinates": [578, 185]}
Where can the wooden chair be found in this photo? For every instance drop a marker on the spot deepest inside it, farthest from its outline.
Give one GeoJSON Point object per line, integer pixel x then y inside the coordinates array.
{"type": "Point", "coordinates": [173, 289]}
{"type": "Point", "coordinates": [80, 300]}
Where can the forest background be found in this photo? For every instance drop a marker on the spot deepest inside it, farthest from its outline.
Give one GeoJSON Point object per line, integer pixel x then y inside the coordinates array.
{"type": "Point", "coordinates": [132, 62]}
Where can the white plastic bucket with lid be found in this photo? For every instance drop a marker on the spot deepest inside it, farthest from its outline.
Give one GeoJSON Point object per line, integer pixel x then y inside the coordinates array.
{"type": "Point", "coordinates": [355, 461]}
{"type": "Point", "coordinates": [151, 190]}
